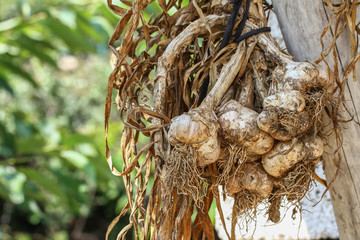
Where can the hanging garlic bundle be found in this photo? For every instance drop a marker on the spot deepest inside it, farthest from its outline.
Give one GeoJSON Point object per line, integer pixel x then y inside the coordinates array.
{"type": "Point", "coordinates": [273, 140]}
{"type": "Point", "coordinates": [256, 133]}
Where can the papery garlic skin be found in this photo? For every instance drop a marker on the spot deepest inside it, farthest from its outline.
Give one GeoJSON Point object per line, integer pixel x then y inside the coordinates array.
{"type": "Point", "coordinates": [287, 100]}
{"type": "Point", "coordinates": [186, 130]}
{"type": "Point", "coordinates": [284, 116]}
{"type": "Point", "coordinates": [285, 155]}
{"type": "Point", "coordinates": [302, 76]}
{"type": "Point", "coordinates": [209, 151]}
{"type": "Point", "coordinates": [282, 158]}
{"type": "Point", "coordinates": [198, 129]}
{"type": "Point", "coordinates": [238, 124]}
{"type": "Point", "coordinates": [314, 146]}
{"type": "Point", "coordinates": [252, 177]}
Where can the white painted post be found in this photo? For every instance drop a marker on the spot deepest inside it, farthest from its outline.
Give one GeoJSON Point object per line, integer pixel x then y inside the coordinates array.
{"type": "Point", "coordinates": [302, 22]}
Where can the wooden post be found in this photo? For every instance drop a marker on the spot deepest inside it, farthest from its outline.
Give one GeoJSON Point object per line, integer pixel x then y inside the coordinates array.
{"type": "Point", "coordinates": [302, 22]}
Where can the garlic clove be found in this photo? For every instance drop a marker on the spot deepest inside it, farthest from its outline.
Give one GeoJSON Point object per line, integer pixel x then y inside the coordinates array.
{"type": "Point", "coordinates": [209, 151]}
{"type": "Point", "coordinates": [253, 177]}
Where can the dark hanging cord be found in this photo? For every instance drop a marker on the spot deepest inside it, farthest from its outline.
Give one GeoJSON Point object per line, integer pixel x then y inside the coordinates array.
{"type": "Point", "coordinates": [204, 89]}
{"type": "Point", "coordinates": [238, 37]}
{"type": "Point", "coordinates": [252, 33]}
{"type": "Point", "coordinates": [241, 26]}
{"type": "Point", "coordinates": [226, 38]}
{"type": "Point", "coordinates": [230, 25]}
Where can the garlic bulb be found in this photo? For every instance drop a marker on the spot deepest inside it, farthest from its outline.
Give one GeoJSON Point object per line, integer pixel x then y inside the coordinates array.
{"type": "Point", "coordinates": [284, 127]}
{"type": "Point", "coordinates": [251, 176]}
{"type": "Point", "coordinates": [285, 155]}
{"type": "Point", "coordinates": [287, 100]}
{"type": "Point", "coordinates": [197, 128]}
{"type": "Point", "coordinates": [302, 76]}
{"type": "Point", "coordinates": [238, 124]}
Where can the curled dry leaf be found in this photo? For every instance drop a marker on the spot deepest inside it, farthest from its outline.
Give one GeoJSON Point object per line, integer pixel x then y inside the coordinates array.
{"type": "Point", "coordinates": [246, 96]}
{"type": "Point", "coordinates": [227, 76]}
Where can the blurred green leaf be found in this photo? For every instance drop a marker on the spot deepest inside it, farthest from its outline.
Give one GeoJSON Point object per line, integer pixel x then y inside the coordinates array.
{"type": "Point", "coordinates": [39, 43]}
{"type": "Point", "coordinates": [47, 183]}
{"type": "Point", "coordinates": [12, 182]}
{"type": "Point", "coordinates": [33, 144]}
{"type": "Point", "coordinates": [10, 24]}
{"type": "Point", "coordinates": [3, 191]}
{"type": "Point", "coordinates": [32, 193]}
{"type": "Point", "coordinates": [71, 37]}
{"type": "Point", "coordinates": [49, 129]}
{"type": "Point", "coordinates": [8, 63]}
{"type": "Point", "coordinates": [88, 28]}
{"type": "Point", "coordinates": [35, 209]}
{"type": "Point", "coordinates": [87, 149]}
{"type": "Point", "coordinates": [61, 235]}
{"type": "Point", "coordinates": [23, 128]}
{"type": "Point", "coordinates": [75, 158]}
{"type": "Point", "coordinates": [72, 185]}
{"type": "Point", "coordinates": [31, 46]}
{"type": "Point", "coordinates": [22, 236]}
{"type": "Point", "coordinates": [111, 17]}
{"type": "Point", "coordinates": [7, 142]}
{"type": "Point", "coordinates": [80, 162]}
{"type": "Point", "coordinates": [5, 85]}
{"type": "Point", "coordinates": [71, 139]}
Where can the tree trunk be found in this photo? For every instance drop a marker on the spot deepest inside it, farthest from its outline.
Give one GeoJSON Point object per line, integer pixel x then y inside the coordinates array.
{"type": "Point", "coordinates": [302, 23]}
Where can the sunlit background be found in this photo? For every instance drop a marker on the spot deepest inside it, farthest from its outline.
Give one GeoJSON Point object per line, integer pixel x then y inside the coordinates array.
{"type": "Point", "coordinates": [54, 64]}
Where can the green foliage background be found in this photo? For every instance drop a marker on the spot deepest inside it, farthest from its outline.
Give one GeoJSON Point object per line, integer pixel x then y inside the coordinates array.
{"type": "Point", "coordinates": [54, 65]}
{"type": "Point", "coordinates": [54, 180]}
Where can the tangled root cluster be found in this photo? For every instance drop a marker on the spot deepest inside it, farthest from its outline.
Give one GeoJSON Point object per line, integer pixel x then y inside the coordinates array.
{"type": "Point", "coordinates": [182, 174]}
{"type": "Point", "coordinates": [256, 133]}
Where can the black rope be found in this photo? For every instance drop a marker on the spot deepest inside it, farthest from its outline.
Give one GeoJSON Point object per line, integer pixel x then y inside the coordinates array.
{"type": "Point", "coordinates": [230, 25]}
{"type": "Point", "coordinates": [241, 26]}
{"type": "Point", "coordinates": [203, 89]}
{"type": "Point", "coordinates": [226, 38]}
{"type": "Point", "coordinates": [238, 37]}
{"type": "Point", "coordinates": [252, 33]}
